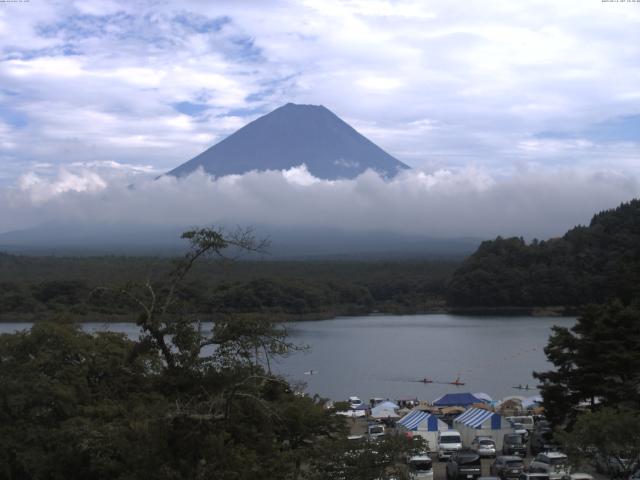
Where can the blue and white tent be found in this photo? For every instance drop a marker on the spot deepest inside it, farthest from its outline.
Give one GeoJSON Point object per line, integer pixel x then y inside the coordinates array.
{"type": "Point", "coordinates": [423, 424]}
{"type": "Point", "coordinates": [477, 422]}
{"type": "Point", "coordinates": [475, 417]}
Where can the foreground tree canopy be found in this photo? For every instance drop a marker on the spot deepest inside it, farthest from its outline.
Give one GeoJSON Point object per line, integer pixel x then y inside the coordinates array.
{"type": "Point", "coordinates": [608, 438]}
{"type": "Point", "coordinates": [178, 403]}
{"type": "Point", "coordinates": [93, 406]}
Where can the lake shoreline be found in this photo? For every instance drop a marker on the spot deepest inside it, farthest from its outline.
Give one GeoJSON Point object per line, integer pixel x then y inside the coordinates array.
{"type": "Point", "coordinates": [387, 356]}
{"type": "Point", "coordinates": [554, 311]}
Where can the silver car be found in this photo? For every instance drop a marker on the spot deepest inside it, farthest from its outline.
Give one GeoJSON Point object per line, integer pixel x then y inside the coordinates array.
{"type": "Point", "coordinates": [484, 446]}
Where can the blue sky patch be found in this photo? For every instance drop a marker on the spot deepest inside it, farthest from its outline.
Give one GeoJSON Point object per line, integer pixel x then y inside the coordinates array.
{"type": "Point", "coordinates": [617, 129]}
{"type": "Point", "coordinates": [200, 23]}
{"type": "Point", "coordinates": [191, 109]}
{"type": "Point", "coordinates": [246, 48]}
{"type": "Point", "coordinates": [12, 117]}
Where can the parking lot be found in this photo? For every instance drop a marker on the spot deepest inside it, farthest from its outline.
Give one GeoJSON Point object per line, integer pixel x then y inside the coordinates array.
{"type": "Point", "coordinates": [439, 468]}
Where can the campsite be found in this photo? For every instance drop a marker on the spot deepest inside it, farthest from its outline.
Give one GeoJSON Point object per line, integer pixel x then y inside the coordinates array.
{"type": "Point", "coordinates": [471, 415]}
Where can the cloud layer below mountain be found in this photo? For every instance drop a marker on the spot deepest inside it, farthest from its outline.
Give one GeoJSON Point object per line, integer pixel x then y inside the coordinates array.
{"type": "Point", "coordinates": [442, 203]}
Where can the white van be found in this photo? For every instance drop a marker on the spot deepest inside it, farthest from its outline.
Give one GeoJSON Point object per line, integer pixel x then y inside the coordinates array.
{"type": "Point", "coordinates": [449, 441]}
{"type": "Point", "coordinates": [525, 420]}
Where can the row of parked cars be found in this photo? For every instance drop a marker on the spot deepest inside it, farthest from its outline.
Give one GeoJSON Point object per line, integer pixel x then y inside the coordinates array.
{"type": "Point", "coordinates": [508, 464]}
{"type": "Point", "coordinates": [450, 441]}
{"type": "Point", "coordinates": [466, 464]}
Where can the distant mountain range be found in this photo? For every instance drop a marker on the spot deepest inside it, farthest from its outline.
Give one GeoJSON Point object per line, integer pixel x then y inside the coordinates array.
{"type": "Point", "coordinates": [286, 242]}
{"type": "Point", "coordinates": [290, 136]}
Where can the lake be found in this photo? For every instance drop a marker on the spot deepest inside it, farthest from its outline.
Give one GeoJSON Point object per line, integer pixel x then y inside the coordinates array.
{"type": "Point", "coordinates": [386, 356]}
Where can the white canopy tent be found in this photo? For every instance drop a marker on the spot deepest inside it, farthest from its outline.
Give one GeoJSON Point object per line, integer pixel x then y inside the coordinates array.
{"type": "Point", "coordinates": [385, 410]}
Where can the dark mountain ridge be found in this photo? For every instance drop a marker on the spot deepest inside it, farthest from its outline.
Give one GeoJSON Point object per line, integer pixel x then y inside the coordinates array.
{"type": "Point", "coordinates": [290, 136]}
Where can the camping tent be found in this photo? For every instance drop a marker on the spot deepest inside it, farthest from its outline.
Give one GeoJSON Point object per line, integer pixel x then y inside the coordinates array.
{"type": "Point", "coordinates": [484, 397]}
{"type": "Point", "coordinates": [385, 410]}
{"type": "Point", "coordinates": [477, 422]}
{"type": "Point", "coordinates": [423, 424]}
{"type": "Point", "coordinates": [456, 400]}
{"type": "Point", "coordinates": [510, 405]}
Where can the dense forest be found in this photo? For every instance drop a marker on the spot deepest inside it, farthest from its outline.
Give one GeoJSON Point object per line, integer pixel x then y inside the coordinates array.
{"type": "Point", "coordinates": [167, 406]}
{"type": "Point", "coordinates": [36, 288]}
{"type": "Point", "coordinates": [589, 264]}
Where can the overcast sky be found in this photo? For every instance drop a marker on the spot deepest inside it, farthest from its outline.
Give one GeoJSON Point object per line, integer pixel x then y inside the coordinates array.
{"type": "Point", "coordinates": [503, 108]}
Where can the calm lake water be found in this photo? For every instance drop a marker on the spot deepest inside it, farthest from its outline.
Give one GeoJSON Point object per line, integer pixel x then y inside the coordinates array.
{"type": "Point", "coordinates": [385, 356]}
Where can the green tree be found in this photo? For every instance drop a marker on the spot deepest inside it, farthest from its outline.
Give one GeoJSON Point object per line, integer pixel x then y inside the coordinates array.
{"type": "Point", "coordinates": [597, 362]}
{"type": "Point", "coordinates": [179, 403]}
{"type": "Point", "coordinates": [588, 264]}
{"type": "Point", "coordinates": [360, 459]}
{"type": "Point", "coordinates": [610, 437]}
{"type": "Point", "coordinates": [65, 396]}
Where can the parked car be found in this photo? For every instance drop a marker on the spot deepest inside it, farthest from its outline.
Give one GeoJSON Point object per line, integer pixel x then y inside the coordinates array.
{"type": "Point", "coordinates": [525, 420]}
{"type": "Point", "coordinates": [449, 441]}
{"type": "Point", "coordinates": [420, 466]}
{"type": "Point", "coordinates": [580, 476]}
{"type": "Point", "coordinates": [512, 444]}
{"type": "Point", "coordinates": [507, 466]}
{"type": "Point", "coordinates": [484, 446]}
{"type": "Point", "coordinates": [534, 476]}
{"type": "Point", "coordinates": [375, 430]}
{"type": "Point", "coordinates": [464, 464]}
{"type": "Point", "coordinates": [555, 464]}
{"type": "Point", "coordinates": [542, 441]}
{"type": "Point", "coordinates": [520, 430]}
{"type": "Point", "coordinates": [354, 402]}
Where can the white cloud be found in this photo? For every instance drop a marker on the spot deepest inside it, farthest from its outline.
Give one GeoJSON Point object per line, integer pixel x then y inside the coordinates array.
{"type": "Point", "coordinates": [99, 78]}
{"type": "Point", "coordinates": [459, 90]}
{"type": "Point", "coordinates": [444, 203]}
{"type": "Point", "coordinates": [40, 190]}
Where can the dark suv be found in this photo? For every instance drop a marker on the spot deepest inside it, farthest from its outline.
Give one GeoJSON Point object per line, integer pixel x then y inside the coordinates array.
{"type": "Point", "coordinates": [506, 466]}
{"type": "Point", "coordinates": [463, 465]}
{"type": "Point", "coordinates": [512, 444]}
{"type": "Point", "coordinates": [542, 441]}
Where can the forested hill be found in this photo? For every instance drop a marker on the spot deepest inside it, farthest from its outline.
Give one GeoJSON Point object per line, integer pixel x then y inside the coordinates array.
{"type": "Point", "coordinates": [588, 264]}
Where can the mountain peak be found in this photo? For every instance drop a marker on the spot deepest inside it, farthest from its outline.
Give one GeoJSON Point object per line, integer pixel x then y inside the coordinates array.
{"type": "Point", "coordinates": [307, 106]}
{"type": "Point", "coordinates": [292, 135]}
